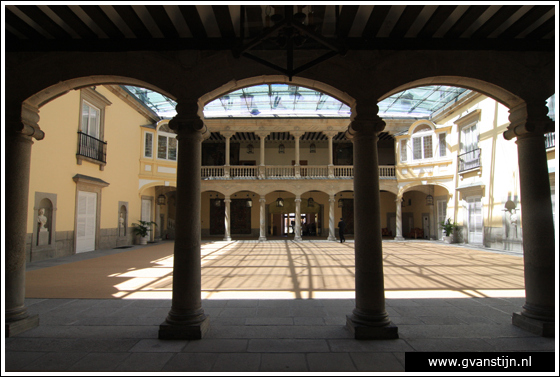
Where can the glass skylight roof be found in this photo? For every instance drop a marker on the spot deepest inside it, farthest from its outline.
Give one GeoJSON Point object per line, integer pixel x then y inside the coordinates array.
{"type": "Point", "coordinates": [281, 100]}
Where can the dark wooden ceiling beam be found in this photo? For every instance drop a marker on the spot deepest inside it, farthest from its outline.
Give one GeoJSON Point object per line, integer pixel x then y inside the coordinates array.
{"type": "Point", "coordinates": [193, 20]}
{"type": "Point", "coordinates": [376, 19]}
{"type": "Point", "coordinates": [254, 20]}
{"type": "Point", "coordinates": [318, 17]}
{"type": "Point", "coordinates": [405, 21]}
{"type": "Point", "coordinates": [440, 15]}
{"type": "Point", "coordinates": [163, 21]}
{"type": "Point", "coordinates": [466, 20]}
{"type": "Point", "coordinates": [134, 22]}
{"type": "Point", "coordinates": [346, 20]}
{"type": "Point", "coordinates": [51, 27]}
{"type": "Point", "coordinates": [546, 28]}
{"type": "Point", "coordinates": [21, 26]}
{"type": "Point", "coordinates": [495, 21]}
{"type": "Point", "coordinates": [526, 20]}
{"type": "Point", "coordinates": [73, 21]}
{"type": "Point", "coordinates": [223, 18]}
{"type": "Point", "coordinates": [103, 21]}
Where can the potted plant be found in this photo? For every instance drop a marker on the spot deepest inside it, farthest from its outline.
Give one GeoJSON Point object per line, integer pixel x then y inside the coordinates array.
{"type": "Point", "coordinates": [142, 228]}
{"type": "Point", "coordinates": [448, 227]}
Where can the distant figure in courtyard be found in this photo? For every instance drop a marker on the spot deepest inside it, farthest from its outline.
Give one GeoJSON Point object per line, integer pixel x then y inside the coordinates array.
{"type": "Point", "coordinates": [341, 227]}
{"type": "Point", "coordinates": [513, 224]}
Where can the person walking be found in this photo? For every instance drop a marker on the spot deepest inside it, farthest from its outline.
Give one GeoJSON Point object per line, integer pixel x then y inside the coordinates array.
{"type": "Point", "coordinates": [341, 226]}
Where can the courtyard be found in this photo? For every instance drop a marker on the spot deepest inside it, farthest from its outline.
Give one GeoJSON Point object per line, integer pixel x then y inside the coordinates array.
{"type": "Point", "coordinates": [275, 306]}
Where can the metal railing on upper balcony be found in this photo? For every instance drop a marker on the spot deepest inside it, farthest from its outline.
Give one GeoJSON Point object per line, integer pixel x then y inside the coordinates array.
{"type": "Point", "coordinates": [549, 140]}
{"type": "Point", "coordinates": [91, 147]}
{"type": "Point", "coordinates": [288, 172]}
{"type": "Point", "coordinates": [469, 160]}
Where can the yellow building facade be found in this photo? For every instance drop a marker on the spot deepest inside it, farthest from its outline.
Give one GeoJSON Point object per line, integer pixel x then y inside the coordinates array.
{"type": "Point", "coordinates": [456, 165]}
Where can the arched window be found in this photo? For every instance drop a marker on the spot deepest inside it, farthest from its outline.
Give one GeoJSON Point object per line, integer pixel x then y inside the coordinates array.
{"type": "Point", "coordinates": [422, 142]}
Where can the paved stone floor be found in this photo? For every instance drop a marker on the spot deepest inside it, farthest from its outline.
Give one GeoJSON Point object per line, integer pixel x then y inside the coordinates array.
{"type": "Point", "coordinates": [277, 306]}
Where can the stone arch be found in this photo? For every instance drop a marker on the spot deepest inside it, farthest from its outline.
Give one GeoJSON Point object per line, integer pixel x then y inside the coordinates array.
{"type": "Point", "coordinates": [52, 92]}
{"type": "Point", "coordinates": [234, 85]}
{"type": "Point", "coordinates": [489, 89]}
{"type": "Point", "coordinates": [411, 185]}
{"type": "Point", "coordinates": [155, 183]}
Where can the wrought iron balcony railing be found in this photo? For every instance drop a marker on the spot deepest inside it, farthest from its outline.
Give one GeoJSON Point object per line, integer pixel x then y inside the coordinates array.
{"type": "Point", "coordinates": [93, 148]}
{"type": "Point", "coordinates": [469, 160]}
{"type": "Point", "coordinates": [549, 140]}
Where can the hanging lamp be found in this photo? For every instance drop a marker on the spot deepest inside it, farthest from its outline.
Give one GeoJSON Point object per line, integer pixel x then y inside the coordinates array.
{"type": "Point", "coordinates": [279, 202]}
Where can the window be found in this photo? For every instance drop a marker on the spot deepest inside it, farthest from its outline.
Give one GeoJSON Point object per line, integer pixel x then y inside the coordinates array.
{"type": "Point", "coordinates": [90, 119]}
{"type": "Point", "coordinates": [469, 138]}
{"type": "Point", "coordinates": [404, 146]}
{"type": "Point", "coordinates": [166, 143]}
{"type": "Point", "coordinates": [442, 145]}
{"type": "Point", "coordinates": [91, 146]}
{"type": "Point", "coordinates": [422, 147]}
{"type": "Point", "coordinates": [148, 145]}
{"type": "Point", "coordinates": [470, 153]}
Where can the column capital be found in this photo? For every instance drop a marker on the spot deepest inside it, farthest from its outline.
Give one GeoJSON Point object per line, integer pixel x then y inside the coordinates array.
{"type": "Point", "coordinates": [297, 134]}
{"type": "Point", "coordinates": [262, 134]}
{"type": "Point", "coordinates": [262, 200]}
{"type": "Point", "coordinates": [187, 119]}
{"type": "Point", "coordinates": [529, 119]}
{"type": "Point", "coordinates": [24, 118]}
{"type": "Point", "coordinates": [227, 134]}
{"type": "Point", "coordinates": [330, 134]}
{"type": "Point", "coordinates": [366, 121]}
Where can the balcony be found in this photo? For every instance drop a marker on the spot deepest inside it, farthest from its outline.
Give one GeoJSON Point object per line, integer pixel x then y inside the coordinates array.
{"type": "Point", "coordinates": [288, 172]}
{"type": "Point", "coordinates": [549, 140]}
{"type": "Point", "coordinates": [469, 160]}
{"type": "Point", "coordinates": [91, 148]}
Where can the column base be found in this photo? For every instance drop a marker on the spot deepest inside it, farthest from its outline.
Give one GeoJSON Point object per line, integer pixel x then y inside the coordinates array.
{"type": "Point", "coordinates": [17, 327]}
{"type": "Point", "coordinates": [363, 332]}
{"type": "Point", "coordinates": [298, 239]}
{"type": "Point", "coordinates": [227, 238]}
{"type": "Point", "coordinates": [184, 332]}
{"type": "Point", "coordinates": [262, 239]}
{"type": "Point", "coordinates": [399, 238]}
{"type": "Point", "coordinates": [541, 328]}
{"type": "Point", "coordinates": [331, 239]}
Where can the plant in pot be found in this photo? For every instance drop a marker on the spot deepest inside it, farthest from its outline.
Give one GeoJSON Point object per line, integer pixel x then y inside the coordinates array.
{"type": "Point", "coordinates": [141, 229]}
{"type": "Point", "coordinates": [448, 227]}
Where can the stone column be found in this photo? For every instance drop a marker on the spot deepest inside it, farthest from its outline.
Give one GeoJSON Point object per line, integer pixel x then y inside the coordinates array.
{"type": "Point", "coordinates": [227, 135]}
{"type": "Point", "coordinates": [332, 230]}
{"type": "Point", "coordinates": [369, 320]}
{"type": "Point", "coordinates": [297, 226]}
{"type": "Point", "coordinates": [529, 124]}
{"type": "Point", "coordinates": [157, 230]}
{"type": "Point", "coordinates": [21, 127]}
{"type": "Point", "coordinates": [186, 319]}
{"type": "Point", "coordinates": [398, 227]}
{"type": "Point", "coordinates": [262, 166]}
{"type": "Point", "coordinates": [297, 168]}
{"type": "Point", "coordinates": [330, 136]}
{"type": "Point", "coordinates": [262, 201]}
{"type": "Point", "coordinates": [227, 219]}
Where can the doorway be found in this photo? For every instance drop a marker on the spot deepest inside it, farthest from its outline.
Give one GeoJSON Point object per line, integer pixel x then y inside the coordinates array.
{"type": "Point", "coordinates": [86, 221]}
